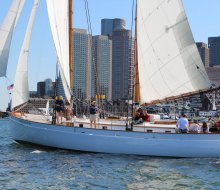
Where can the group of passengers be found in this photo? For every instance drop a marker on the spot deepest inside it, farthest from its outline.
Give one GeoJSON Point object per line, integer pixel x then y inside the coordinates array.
{"type": "Point", "coordinates": [184, 126]}
{"type": "Point", "coordinates": [62, 110]}
{"type": "Point", "coordinates": [141, 116]}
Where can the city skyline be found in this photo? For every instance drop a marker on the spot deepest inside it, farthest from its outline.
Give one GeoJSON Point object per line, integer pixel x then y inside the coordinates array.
{"type": "Point", "coordinates": [202, 22]}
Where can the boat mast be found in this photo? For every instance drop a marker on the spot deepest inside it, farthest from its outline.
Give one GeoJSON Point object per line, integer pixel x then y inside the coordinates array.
{"type": "Point", "coordinates": [136, 73]}
{"type": "Point", "coordinates": [70, 44]}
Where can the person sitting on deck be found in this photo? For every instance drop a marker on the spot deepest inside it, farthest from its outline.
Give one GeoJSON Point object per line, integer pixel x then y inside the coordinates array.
{"type": "Point", "coordinates": [216, 127]}
{"type": "Point", "coordinates": [204, 127]}
{"type": "Point", "coordinates": [146, 117]}
{"type": "Point", "coordinates": [194, 127]}
{"type": "Point", "coordinates": [139, 116]}
{"type": "Point", "coordinates": [183, 124]}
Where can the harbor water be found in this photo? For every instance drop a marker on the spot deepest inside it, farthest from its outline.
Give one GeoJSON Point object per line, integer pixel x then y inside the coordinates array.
{"type": "Point", "coordinates": [24, 167]}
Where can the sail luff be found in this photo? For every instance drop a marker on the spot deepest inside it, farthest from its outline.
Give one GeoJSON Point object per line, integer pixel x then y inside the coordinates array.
{"type": "Point", "coordinates": [21, 5]}
{"type": "Point", "coordinates": [20, 93]}
{"type": "Point", "coordinates": [168, 60]}
{"type": "Point", "coordinates": [6, 33]}
{"type": "Point", "coordinates": [58, 13]}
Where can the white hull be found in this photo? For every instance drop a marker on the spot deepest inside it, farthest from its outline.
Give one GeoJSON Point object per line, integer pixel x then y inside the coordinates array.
{"type": "Point", "coordinates": [116, 141]}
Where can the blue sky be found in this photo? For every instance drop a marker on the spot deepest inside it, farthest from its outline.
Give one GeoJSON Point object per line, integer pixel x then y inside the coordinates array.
{"type": "Point", "coordinates": [203, 16]}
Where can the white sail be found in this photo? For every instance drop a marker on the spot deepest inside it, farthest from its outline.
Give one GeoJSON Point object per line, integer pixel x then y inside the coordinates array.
{"type": "Point", "coordinates": [21, 92]}
{"type": "Point", "coordinates": [6, 32]}
{"type": "Point", "coordinates": [58, 12]}
{"type": "Point", "coordinates": [168, 59]}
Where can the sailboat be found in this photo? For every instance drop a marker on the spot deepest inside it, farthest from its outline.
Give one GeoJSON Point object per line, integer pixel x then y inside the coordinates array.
{"type": "Point", "coordinates": [168, 66]}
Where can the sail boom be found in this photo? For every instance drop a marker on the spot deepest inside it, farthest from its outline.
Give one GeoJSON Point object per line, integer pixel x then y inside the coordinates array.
{"type": "Point", "coordinates": [182, 96]}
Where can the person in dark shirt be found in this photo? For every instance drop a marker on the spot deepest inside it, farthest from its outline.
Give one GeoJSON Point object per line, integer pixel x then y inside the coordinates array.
{"type": "Point", "coordinates": [204, 127]}
{"type": "Point", "coordinates": [139, 116]}
{"type": "Point", "coordinates": [93, 114]}
{"type": "Point", "coordinates": [59, 107]}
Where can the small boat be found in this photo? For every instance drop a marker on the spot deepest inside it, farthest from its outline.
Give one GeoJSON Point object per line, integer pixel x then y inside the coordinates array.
{"type": "Point", "coordinates": [168, 66]}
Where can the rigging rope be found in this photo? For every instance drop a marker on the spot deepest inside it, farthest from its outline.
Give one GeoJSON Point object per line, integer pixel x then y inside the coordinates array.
{"type": "Point", "coordinates": [97, 82]}
{"type": "Point", "coordinates": [132, 67]}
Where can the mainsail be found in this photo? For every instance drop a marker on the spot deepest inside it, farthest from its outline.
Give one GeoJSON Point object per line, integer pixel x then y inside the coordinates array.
{"type": "Point", "coordinates": [21, 92]}
{"type": "Point", "coordinates": [58, 12]}
{"type": "Point", "coordinates": [168, 60]}
{"type": "Point", "coordinates": [6, 32]}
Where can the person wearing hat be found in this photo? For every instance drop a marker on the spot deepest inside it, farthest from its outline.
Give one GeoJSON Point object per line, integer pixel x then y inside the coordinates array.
{"type": "Point", "coordinates": [93, 114]}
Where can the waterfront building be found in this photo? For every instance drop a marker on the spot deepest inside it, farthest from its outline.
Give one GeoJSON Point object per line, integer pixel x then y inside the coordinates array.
{"type": "Point", "coordinates": [214, 74]}
{"type": "Point", "coordinates": [41, 89]}
{"type": "Point", "coordinates": [204, 53]}
{"type": "Point", "coordinates": [35, 105]}
{"type": "Point", "coordinates": [102, 67]}
{"type": "Point", "coordinates": [81, 64]}
{"type": "Point", "coordinates": [45, 88]}
{"type": "Point", "coordinates": [33, 94]}
{"type": "Point", "coordinates": [122, 63]}
{"type": "Point", "coordinates": [214, 48]}
{"type": "Point", "coordinates": [211, 58]}
{"type": "Point", "coordinates": [49, 88]}
{"type": "Point", "coordinates": [59, 87]}
{"type": "Point", "coordinates": [109, 25]}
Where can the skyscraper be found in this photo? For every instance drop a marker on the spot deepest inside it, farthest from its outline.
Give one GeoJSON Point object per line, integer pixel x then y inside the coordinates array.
{"type": "Point", "coordinates": [122, 61]}
{"type": "Point", "coordinates": [204, 53]}
{"type": "Point", "coordinates": [214, 48]}
{"type": "Point", "coordinates": [59, 87]}
{"type": "Point", "coordinates": [45, 88]}
{"type": "Point", "coordinates": [49, 91]}
{"type": "Point", "coordinates": [41, 89]}
{"type": "Point", "coordinates": [109, 25]}
{"type": "Point", "coordinates": [102, 66]}
{"type": "Point", "coordinates": [81, 64]}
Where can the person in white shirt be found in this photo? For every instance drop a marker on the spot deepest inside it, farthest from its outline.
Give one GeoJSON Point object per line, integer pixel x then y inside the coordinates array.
{"type": "Point", "coordinates": [183, 124]}
{"type": "Point", "coordinates": [194, 127]}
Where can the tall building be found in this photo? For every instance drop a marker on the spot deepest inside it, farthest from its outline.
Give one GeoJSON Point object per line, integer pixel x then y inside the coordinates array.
{"type": "Point", "coordinates": [41, 89]}
{"type": "Point", "coordinates": [49, 88]}
{"type": "Point", "coordinates": [214, 48]}
{"type": "Point", "coordinates": [81, 64]}
{"type": "Point", "coordinates": [204, 53]}
{"type": "Point", "coordinates": [102, 67]}
{"type": "Point", "coordinates": [33, 94]}
{"type": "Point", "coordinates": [214, 74]}
{"type": "Point", "coordinates": [122, 61]}
{"type": "Point", "coordinates": [45, 88]}
{"type": "Point", "coordinates": [109, 25]}
{"type": "Point", "coordinates": [59, 87]}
